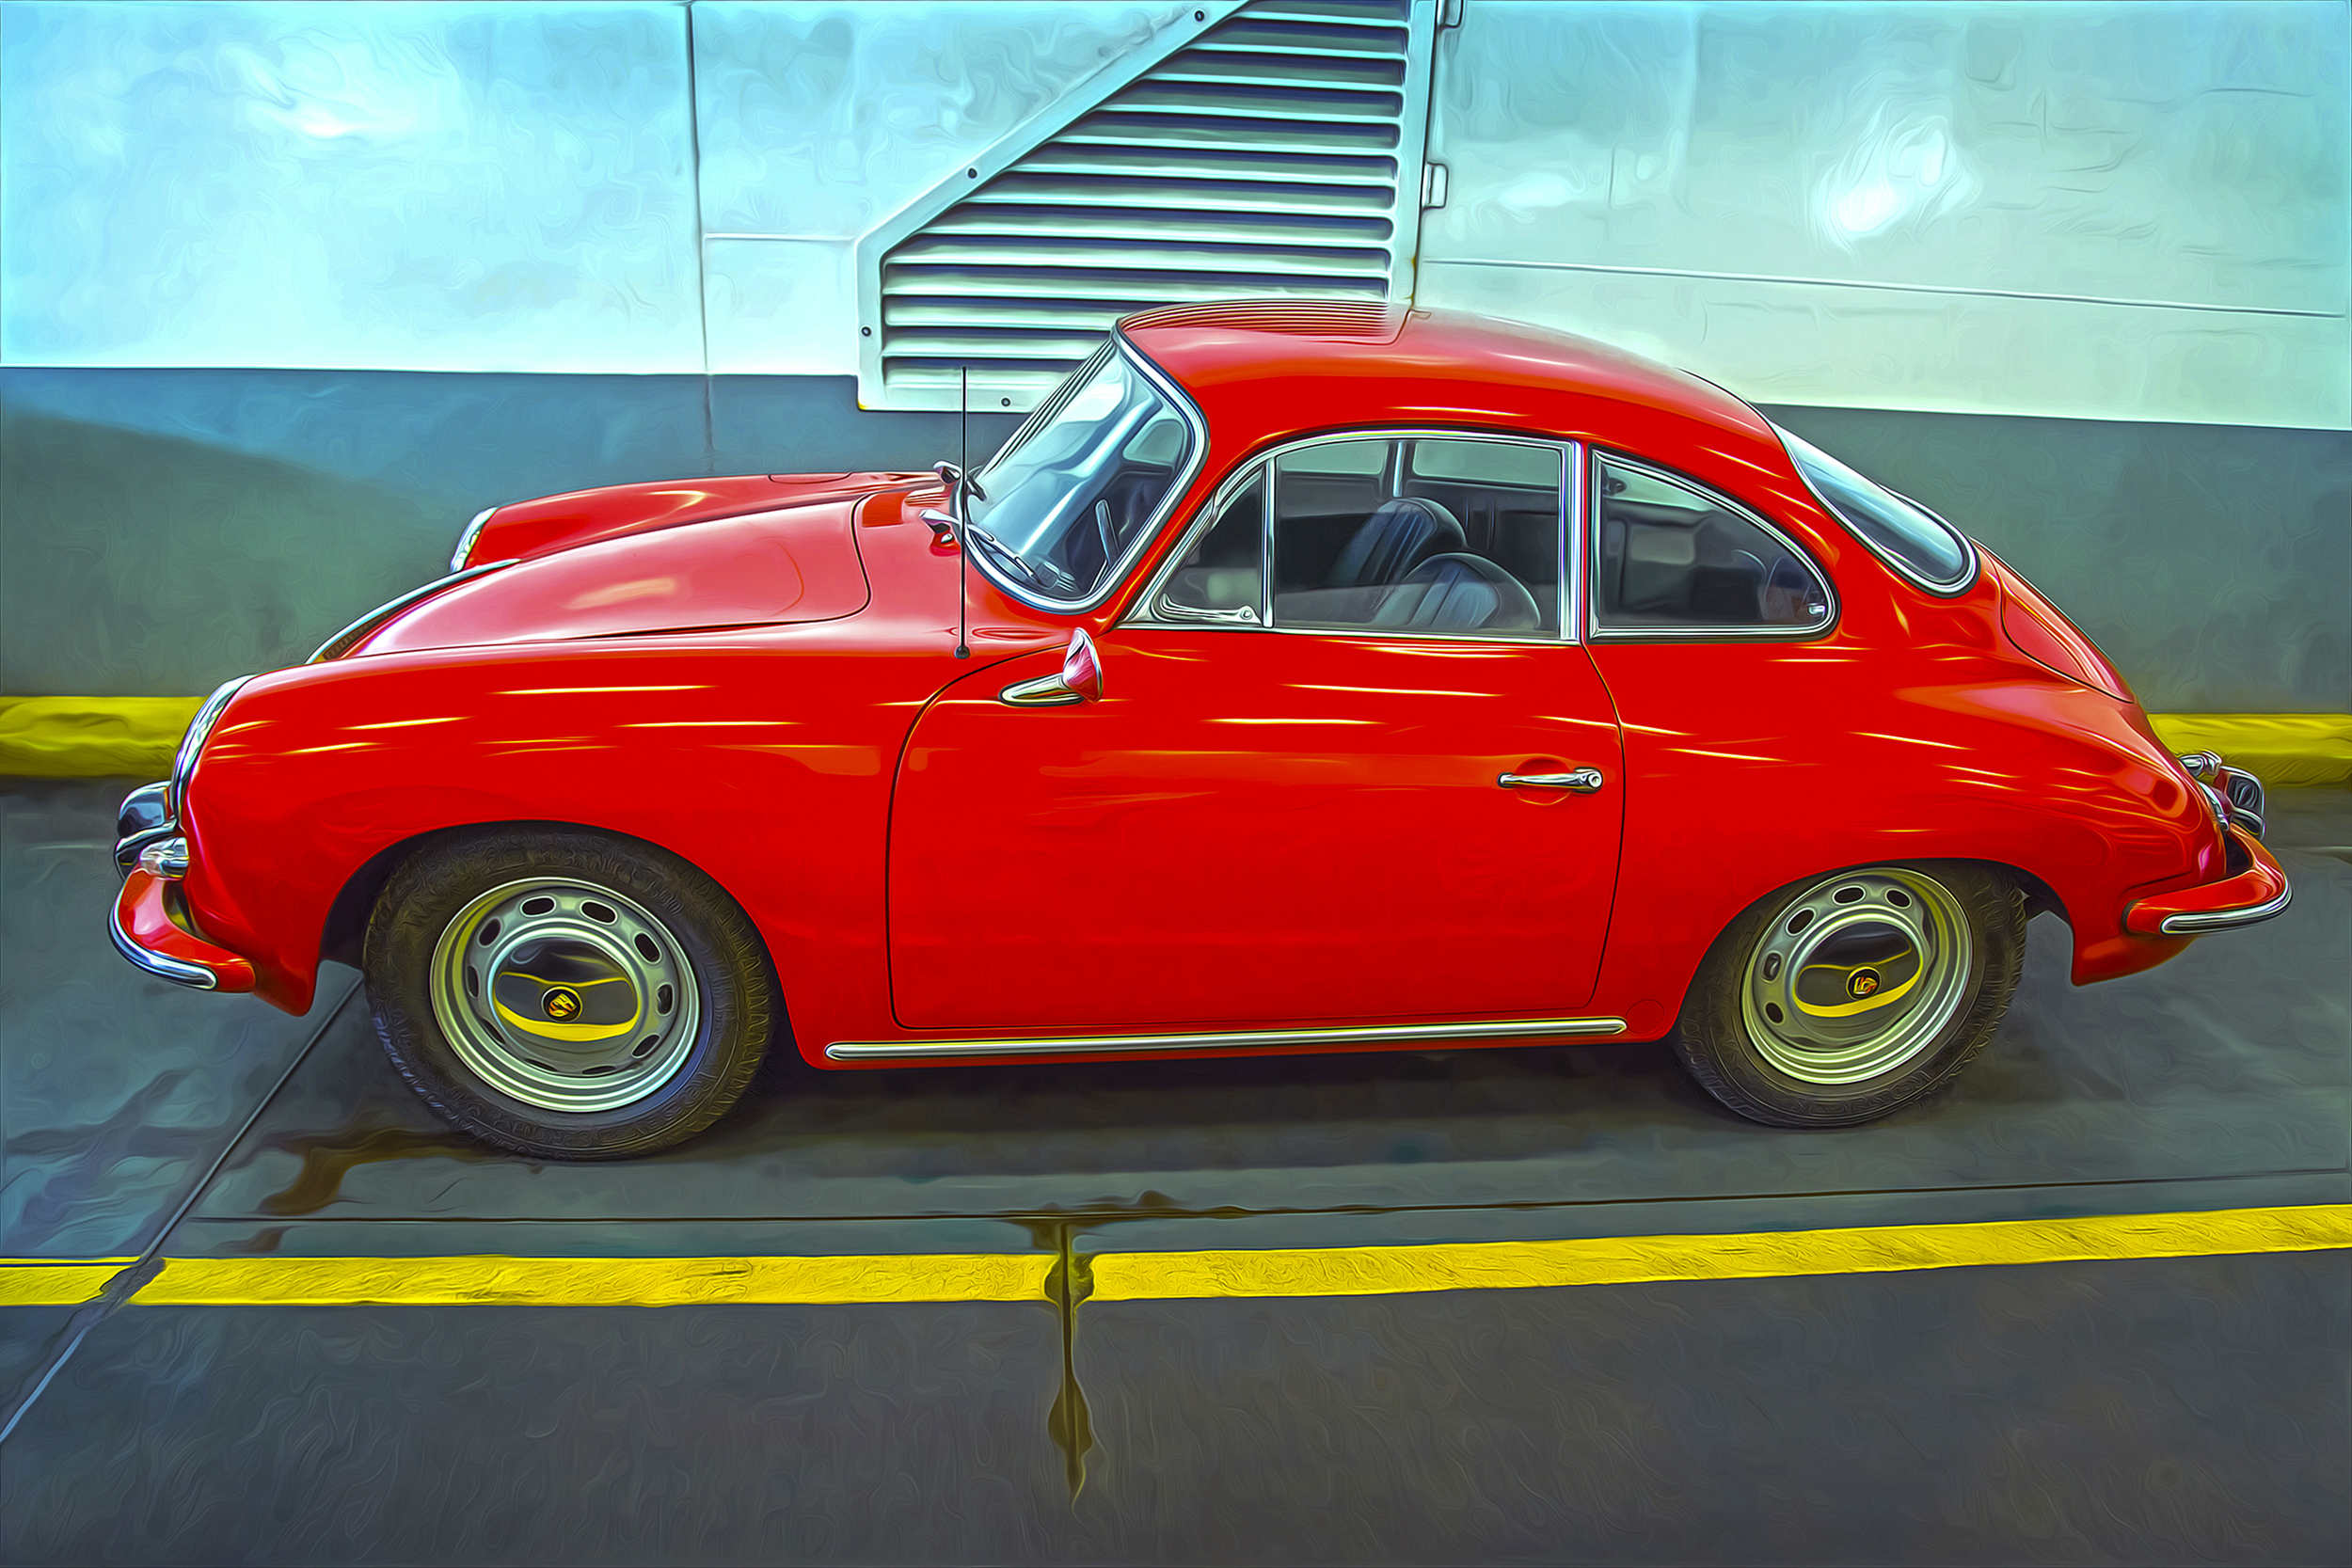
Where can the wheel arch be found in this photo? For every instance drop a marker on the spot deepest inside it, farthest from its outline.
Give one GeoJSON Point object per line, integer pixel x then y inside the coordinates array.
{"type": "Point", "coordinates": [2040, 898]}
{"type": "Point", "coordinates": [340, 938]}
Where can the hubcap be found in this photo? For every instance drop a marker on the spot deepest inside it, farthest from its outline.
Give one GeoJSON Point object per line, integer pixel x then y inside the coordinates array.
{"type": "Point", "coordinates": [1857, 976]}
{"type": "Point", "coordinates": [564, 995]}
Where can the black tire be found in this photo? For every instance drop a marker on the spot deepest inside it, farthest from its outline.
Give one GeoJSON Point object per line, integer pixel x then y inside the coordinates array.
{"type": "Point", "coordinates": [1792, 1070]}
{"type": "Point", "coordinates": [585, 910]}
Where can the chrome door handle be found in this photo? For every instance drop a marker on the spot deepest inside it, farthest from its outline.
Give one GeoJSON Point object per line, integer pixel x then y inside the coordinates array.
{"type": "Point", "coordinates": [1583, 781]}
{"type": "Point", "coordinates": [1044, 692]}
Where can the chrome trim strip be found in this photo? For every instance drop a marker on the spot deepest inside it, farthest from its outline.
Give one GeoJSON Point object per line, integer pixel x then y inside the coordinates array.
{"type": "Point", "coordinates": [345, 639]}
{"type": "Point", "coordinates": [2195, 921]}
{"type": "Point", "coordinates": [465, 540]}
{"type": "Point", "coordinates": [1598, 633]}
{"type": "Point", "coordinates": [1570, 488]}
{"type": "Point", "coordinates": [1113, 578]}
{"type": "Point", "coordinates": [176, 970]}
{"type": "Point", "coordinates": [1397, 1034]}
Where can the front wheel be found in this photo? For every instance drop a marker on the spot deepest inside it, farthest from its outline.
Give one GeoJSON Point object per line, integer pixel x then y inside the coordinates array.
{"type": "Point", "coordinates": [1837, 1001]}
{"type": "Point", "coordinates": [568, 995]}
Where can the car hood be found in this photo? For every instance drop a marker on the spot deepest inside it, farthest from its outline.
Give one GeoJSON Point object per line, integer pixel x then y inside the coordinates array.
{"type": "Point", "coordinates": [527, 529]}
{"type": "Point", "coordinates": [797, 562]}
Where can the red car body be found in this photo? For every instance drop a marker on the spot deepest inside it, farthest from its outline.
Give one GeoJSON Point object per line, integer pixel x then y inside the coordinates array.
{"type": "Point", "coordinates": [1251, 842]}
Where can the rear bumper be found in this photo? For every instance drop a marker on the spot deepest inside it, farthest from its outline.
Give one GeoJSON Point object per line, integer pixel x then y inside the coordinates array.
{"type": "Point", "coordinates": [143, 932]}
{"type": "Point", "coordinates": [2252, 895]}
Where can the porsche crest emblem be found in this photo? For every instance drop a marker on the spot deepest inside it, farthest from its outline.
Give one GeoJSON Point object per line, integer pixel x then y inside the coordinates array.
{"type": "Point", "coordinates": [1862, 983]}
{"type": "Point", "coordinates": [561, 1004]}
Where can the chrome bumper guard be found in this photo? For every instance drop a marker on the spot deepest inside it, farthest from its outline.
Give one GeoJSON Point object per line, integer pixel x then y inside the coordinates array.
{"type": "Point", "coordinates": [158, 964]}
{"type": "Point", "coordinates": [2253, 887]}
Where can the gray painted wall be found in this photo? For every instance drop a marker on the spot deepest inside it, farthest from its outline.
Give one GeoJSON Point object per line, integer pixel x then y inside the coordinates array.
{"type": "Point", "coordinates": [165, 530]}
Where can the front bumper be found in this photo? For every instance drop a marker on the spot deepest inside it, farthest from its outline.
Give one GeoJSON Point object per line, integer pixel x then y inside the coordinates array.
{"type": "Point", "coordinates": [151, 857]}
{"type": "Point", "coordinates": [2254, 894]}
{"type": "Point", "coordinates": [145, 933]}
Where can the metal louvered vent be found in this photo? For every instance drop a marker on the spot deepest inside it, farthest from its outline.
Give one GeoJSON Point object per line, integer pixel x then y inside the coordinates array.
{"type": "Point", "coordinates": [1274, 151]}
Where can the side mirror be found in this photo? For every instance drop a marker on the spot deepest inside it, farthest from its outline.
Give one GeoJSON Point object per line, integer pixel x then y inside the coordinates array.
{"type": "Point", "coordinates": [1080, 681]}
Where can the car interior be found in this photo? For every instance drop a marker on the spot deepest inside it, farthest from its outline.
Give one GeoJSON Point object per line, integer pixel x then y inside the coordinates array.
{"type": "Point", "coordinates": [1671, 556]}
{"type": "Point", "coordinates": [1410, 533]}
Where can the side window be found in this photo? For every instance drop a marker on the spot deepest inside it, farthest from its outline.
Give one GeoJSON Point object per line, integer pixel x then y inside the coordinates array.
{"type": "Point", "coordinates": [1670, 556]}
{"type": "Point", "coordinates": [1442, 536]}
{"type": "Point", "coordinates": [1222, 578]}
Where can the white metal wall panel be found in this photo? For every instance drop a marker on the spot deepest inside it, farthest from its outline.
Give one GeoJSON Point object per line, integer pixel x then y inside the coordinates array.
{"type": "Point", "coordinates": [2105, 210]}
{"type": "Point", "coordinates": [1274, 150]}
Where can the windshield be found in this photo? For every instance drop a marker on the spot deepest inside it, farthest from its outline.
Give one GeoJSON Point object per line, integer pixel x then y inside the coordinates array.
{"type": "Point", "coordinates": [1073, 495]}
{"type": "Point", "coordinates": [1919, 544]}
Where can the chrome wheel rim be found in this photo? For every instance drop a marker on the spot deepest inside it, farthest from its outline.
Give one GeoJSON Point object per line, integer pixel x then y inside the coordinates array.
{"type": "Point", "coordinates": [564, 995]}
{"type": "Point", "coordinates": [1857, 976]}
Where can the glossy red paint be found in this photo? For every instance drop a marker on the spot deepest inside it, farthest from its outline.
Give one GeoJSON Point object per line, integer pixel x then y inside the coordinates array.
{"type": "Point", "coordinates": [2259, 884]}
{"type": "Point", "coordinates": [522, 530]}
{"type": "Point", "coordinates": [1248, 829]}
{"type": "Point", "coordinates": [760, 569]}
{"type": "Point", "coordinates": [143, 918]}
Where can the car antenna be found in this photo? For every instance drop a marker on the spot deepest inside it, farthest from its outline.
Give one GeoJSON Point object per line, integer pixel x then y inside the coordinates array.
{"type": "Point", "coordinates": [960, 505]}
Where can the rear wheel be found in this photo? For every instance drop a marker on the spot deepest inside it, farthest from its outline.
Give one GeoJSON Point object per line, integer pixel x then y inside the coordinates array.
{"type": "Point", "coordinates": [568, 995]}
{"type": "Point", "coordinates": [1837, 1001]}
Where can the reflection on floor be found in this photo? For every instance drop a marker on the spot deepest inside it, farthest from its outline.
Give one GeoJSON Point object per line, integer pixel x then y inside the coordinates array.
{"type": "Point", "coordinates": [2145, 1410]}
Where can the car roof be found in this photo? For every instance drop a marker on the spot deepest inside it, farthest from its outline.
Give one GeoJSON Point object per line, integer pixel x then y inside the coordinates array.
{"type": "Point", "coordinates": [1263, 370]}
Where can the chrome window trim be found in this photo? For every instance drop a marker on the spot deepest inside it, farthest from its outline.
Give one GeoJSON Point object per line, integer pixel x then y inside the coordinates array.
{"type": "Point", "coordinates": [1970, 572]}
{"type": "Point", "coordinates": [1113, 577]}
{"type": "Point", "coordinates": [1598, 633]}
{"type": "Point", "coordinates": [1397, 1034]}
{"type": "Point", "coordinates": [1570, 491]}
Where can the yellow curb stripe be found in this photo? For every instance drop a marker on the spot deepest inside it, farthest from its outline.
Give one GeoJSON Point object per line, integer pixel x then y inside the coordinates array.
{"type": "Point", "coordinates": [489, 1281]}
{"type": "Point", "coordinates": [1627, 1260]}
{"type": "Point", "coordinates": [75, 738]}
{"type": "Point", "coordinates": [2283, 749]}
{"type": "Point", "coordinates": [93, 736]}
{"type": "Point", "coordinates": [37, 1284]}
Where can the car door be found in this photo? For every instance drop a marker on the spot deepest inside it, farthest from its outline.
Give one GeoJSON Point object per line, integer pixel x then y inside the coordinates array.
{"type": "Point", "coordinates": [1377, 782]}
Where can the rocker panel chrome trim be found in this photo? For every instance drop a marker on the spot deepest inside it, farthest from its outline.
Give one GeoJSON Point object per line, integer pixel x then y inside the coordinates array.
{"type": "Point", "coordinates": [1396, 1034]}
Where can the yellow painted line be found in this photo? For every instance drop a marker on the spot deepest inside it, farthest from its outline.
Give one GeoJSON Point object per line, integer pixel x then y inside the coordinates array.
{"type": "Point", "coordinates": [2280, 749]}
{"type": "Point", "coordinates": [1636, 1259]}
{"type": "Point", "coordinates": [74, 737]}
{"type": "Point", "coordinates": [34, 1283]}
{"type": "Point", "coordinates": [503, 1282]}
{"type": "Point", "coordinates": [488, 1281]}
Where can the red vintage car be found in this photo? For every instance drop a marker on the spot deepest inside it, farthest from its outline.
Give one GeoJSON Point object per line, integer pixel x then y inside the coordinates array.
{"type": "Point", "coordinates": [1298, 678]}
